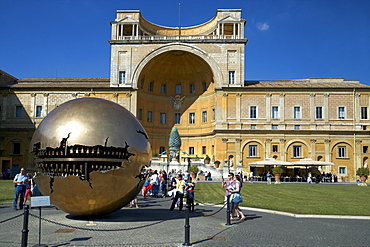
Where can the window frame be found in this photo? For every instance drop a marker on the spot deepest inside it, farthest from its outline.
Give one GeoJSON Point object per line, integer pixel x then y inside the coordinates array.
{"type": "Point", "coordinates": [319, 112]}
{"type": "Point", "coordinates": [162, 118]}
{"type": "Point", "coordinates": [191, 88]}
{"type": "Point", "coordinates": [163, 88]}
{"type": "Point", "coordinates": [231, 77]}
{"type": "Point", "coordinates": [191, 117]}
{"type": "Point", "coordinates": [297, 151]}
{"type": "Point", "coordinates": [204, 116]}
{"type": "Point", "coordinates": [16, 146]}
{"type": "Point", "coordinates": [149, 118]}
{"type": "Point", "coordinates": [364, 113]}
{"type": "Point", "coordinates": [252, 150]}
{"type": "Point", "coordinates": [177, 118]}
{"type": "Point", "coordinates": [297, 112]}
{"type": "Point", "coordinates": [38, 111]}
{"type": "Point", "coordinates": [342, 152]}
{"type": "Point", "coordinates": [253, 111]}
{"type": "Point", "coordinates": [178, 89]}
{"type": "Point", "coordinates": [122, 77]}
{"type": "Point", "coordinates": [18, 111]}
{"type": "Point", "coordinates": [341, 112]}
{"type": "Point", "coordinates": [342, 170]}
{"type": "Point", "coordinates": [274, 112]}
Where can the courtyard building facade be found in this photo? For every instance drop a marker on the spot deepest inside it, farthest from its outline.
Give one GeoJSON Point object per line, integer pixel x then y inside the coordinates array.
{"type": "Point", "coordinates": [193, 79]}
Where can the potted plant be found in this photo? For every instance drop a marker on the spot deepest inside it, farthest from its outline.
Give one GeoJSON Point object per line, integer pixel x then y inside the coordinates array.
{"type": "Point", "coordinates": [207, 159]}
{"type": "Point", "coordinates": [217, 163]}
{"type": "Point", "coordinates": [277, 171]}
{"type": "Point", "coordinates": [363, 172]}
{"type": "Point", "coordinates": [193, 171]}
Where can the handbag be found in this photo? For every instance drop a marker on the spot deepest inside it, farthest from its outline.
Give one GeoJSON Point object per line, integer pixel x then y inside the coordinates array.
{"type": "Point", "coordinates": [236, 198]}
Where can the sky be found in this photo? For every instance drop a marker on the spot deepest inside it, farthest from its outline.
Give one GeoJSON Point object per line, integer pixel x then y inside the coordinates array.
{"type": "Point", "coordinates": [287, 39]}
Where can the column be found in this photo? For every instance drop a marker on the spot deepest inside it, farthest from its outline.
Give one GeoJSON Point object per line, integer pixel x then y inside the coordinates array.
{"type": "Point", "coordinates": [224, 107]}
{"type": "Point", "coordinates": [357, 154]}
{"type": "Point", "coordinates": [238, 106]}
{"type": "Point", "coordinates": [5, 105]}
{"type": "Point", "coordinates": [268, 148]}
{"type": "Point", "coordinates": [268, 107]}
{"type": "Point", "coordinates": [33, 105]}
{"type": "Point", "coordinates": [357, 109]}
{"type": "Point", "coordinates": [45, 110]}
{"type": "Point", "coordinates": [238, 152]}
{"type": "Point", "coordinates": [282, 149]}
{"type": "Point", "coordinates": [312, 107]}
{"type": "Point", "coordinates": [282, 108]}
{"type": "Point", "coordinates": [128, 100]}
{"type": "Point", "coordinates": [313, 148]}
{"type": "Point", "coordinates": [327, 150]}
{"type": "Point", "coordinates": [326, 107]}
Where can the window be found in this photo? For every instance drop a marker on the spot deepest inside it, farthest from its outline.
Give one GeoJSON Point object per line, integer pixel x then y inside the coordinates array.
{"type": "Point", "coordinates": [365, 149]}
{"type": "Point", "coordinates": [178, 89]}
{"type": "Point", "coordinates": [204, 150]}
{"type": "Point", "coordinates": [274, 148]}
{"type": "Point", "coordinates": [177, 118]}
{"type": "Point", "coordinates": [16, 148]}
{"type": "Point", "coordinates": [253, 126]}
{"type": "Point", "coordinates": [162, 118]}
{"type": "Point", "coordinates": [150, 117]}
{"type": "Point", "coordinates": [141, 83]}
{"type": "Point", "coordinates": [192, 118]}
{"type": "Point", "coordinates": [253, 112]}
{"type": "Point", "coordinates": [274, 127]}
{"type": "Point", "coordinates": [341, 151]}
{"type": "Point", "coordinates": [122, 77]}
{"type": "Point", "coordinates": [192, 88]}
{"type": "Point", "coordinates": [204, 86]}
{"type": "Point", "coordinates": [231, 77]}
{"type": "Point", "coordinates": [318, 112]}
{"type": "Point", "coordinates": [140, 114]}
{"type": "Point", "coordinates": [18, 111]}
{"type": "Point", "coordinates": [296, 151]}
{"type": "Point", "coordinates": [163, 88]}
{"type": "Point", "coordinates": [191, 150]}
{"type": "Point", "coordinates": [297, 112]}
{"type": "Point", "coordinates": [150, 87]}
{"type": "Point", "coordinates": [161, 150]}
{"type": "Point", "coordinates": [297, 127]}
{"type": "Point", "coordinates": [204, 116]}
{"type": "Point", "coordinates": [341, 113]}
{"type": "Point", "coordinates": [275, 112]}
{"type": "Point", "coordinates": [252, 150]}
{"type": "Point", "coordinates": [363, 112]}
{"type": "Point", "coordinates": [342, 170]}
{"type": "Point", "coordinates": [213, 114]}
{"type": "Point", "coordinates": [39, 111]}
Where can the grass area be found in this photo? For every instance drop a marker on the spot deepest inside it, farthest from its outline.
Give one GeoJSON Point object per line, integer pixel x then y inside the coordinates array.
{"type": "Point", "coordinates": [293, 198]}
{"type": "Point", "coordinates": [6, 191]}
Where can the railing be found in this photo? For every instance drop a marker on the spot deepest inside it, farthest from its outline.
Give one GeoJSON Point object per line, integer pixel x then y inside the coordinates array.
{"type": "Point", "coordinates": [181, 37]}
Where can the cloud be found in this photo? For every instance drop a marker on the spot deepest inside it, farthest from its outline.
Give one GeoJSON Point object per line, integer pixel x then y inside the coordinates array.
{"type": "Point", "coordinates": [263, 26]}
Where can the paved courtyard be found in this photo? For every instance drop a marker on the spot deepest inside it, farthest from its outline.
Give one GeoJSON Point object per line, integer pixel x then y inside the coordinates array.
{"type": "Point", "coordinates": [153, 225]}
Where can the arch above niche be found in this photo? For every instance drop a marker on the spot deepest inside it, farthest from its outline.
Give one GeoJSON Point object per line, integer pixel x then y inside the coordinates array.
{"type": "Point", "coordinates": [217, 75]}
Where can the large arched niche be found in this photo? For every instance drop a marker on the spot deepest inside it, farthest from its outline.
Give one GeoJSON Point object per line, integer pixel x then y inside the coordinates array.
{"type": "Point", "coordinates": [200, 56]}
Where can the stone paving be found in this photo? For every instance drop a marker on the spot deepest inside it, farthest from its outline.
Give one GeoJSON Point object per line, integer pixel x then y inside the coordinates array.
{"type": "Point", "coordinates": [153, 225]}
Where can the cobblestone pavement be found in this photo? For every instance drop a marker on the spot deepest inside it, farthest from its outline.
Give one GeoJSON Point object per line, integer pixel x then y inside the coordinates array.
{"type": "Point", "coordinates": [153, 225]}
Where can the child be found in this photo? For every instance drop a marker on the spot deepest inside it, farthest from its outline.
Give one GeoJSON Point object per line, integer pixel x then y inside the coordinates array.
{"type": "Point", "coordinates": [190, 196]}
{"type": "Point", "coordinates": [29, 187]}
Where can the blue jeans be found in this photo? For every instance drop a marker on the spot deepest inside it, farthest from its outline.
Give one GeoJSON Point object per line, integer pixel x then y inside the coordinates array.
{"type": "Point", "coordinates": [164, 189]}
{"type": "Point", "coordinates": [19, 191]}
{"type": "Point", "coordinates": [155, 190]}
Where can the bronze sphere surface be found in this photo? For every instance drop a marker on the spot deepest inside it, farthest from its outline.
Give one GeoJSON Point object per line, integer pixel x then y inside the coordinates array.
{"type": "Point", "coordinates": [90, 154]}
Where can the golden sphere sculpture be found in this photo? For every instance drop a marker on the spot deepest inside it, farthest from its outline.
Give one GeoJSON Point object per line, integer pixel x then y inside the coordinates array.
{"type": "Point", "coordinates": [89, 155]}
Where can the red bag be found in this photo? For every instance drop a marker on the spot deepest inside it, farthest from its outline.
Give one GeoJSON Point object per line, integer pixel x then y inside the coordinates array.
{"type": "Point", "coordinates": [149, 186]}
